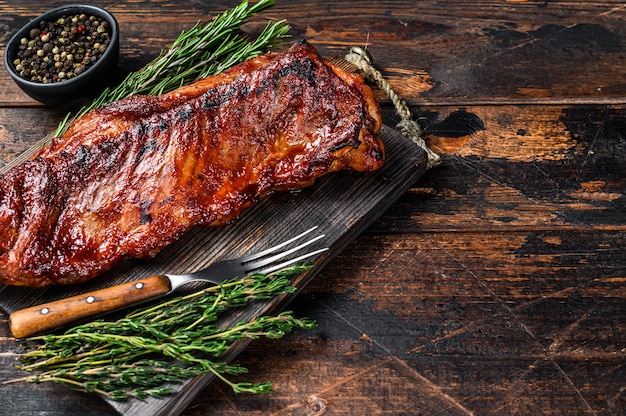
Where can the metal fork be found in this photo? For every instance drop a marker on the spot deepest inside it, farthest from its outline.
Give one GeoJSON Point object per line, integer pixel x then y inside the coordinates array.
{"type": "Point", "coordinates": [40, 318]}
{"type": "Point", "coordinates": [217, 272]}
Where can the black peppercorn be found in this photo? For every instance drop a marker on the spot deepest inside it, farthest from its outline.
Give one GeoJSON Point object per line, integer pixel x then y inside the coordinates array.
{"type": "Point", "coordinates": [61, 49]}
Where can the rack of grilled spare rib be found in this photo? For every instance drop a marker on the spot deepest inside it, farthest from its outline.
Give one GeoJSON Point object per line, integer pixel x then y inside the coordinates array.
{"type": "Point", "coordinates": [130, 178]}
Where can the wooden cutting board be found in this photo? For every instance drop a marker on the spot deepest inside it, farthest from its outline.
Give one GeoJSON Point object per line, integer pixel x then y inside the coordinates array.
{"type": "Point", "coordinates": [342, 204]}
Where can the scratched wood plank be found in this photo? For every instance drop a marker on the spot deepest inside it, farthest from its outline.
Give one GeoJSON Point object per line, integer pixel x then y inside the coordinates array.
{"type": "Point", "coordinates": [520, 167]}
{"type": "Point", "coordinates": [527, 51]}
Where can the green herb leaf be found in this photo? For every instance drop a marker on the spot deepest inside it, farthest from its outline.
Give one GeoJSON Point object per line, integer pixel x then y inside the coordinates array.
{"type": "Point", "coordinates": [204, 50]}
{"type": "Point", "coordinates": [140, 354]}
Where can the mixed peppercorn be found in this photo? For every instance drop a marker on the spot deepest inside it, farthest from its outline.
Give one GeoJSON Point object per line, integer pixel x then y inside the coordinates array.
{"type": "Point", "coordinates": [62, 49]}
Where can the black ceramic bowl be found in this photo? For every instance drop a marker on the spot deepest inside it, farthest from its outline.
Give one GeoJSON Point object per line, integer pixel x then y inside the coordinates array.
{"type": "Point", "coordinates": [80, 87]}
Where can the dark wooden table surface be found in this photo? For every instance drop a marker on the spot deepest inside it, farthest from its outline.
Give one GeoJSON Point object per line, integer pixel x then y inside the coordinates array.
{"type": "Point", "coordinates": [497, 283]}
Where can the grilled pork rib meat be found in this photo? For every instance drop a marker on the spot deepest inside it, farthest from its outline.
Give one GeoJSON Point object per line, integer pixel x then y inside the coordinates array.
{"type": "Point", "coordinates": [132, 177]}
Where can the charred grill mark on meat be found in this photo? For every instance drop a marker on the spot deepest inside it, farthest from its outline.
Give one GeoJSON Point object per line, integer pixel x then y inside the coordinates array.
{"type": "Point", "coordinates": [132, 177]}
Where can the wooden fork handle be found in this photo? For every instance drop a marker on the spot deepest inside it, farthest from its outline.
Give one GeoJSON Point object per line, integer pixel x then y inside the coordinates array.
{"type": "Point", "coordinates": [40, 318]}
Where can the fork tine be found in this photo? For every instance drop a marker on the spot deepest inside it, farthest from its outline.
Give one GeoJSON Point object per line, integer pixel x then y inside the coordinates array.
{"type": "Point", "coordinates": [265, 261]}
{"type": "Point", "coordinates": [292, 261]}
{"type": "Point", "coordinates": [277, 247]}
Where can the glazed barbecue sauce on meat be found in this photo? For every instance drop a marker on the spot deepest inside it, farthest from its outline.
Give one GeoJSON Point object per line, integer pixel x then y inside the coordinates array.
{"type": "Point", "coordinates": [132, 177]}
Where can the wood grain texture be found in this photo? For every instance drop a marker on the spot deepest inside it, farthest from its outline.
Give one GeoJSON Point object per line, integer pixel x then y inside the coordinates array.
{"type": "Point", "coordinates": [496, 283]}
{"type": "Point", "coordinates": [49, 316]}
{"type": "Point", "coordinates": [452, 52]}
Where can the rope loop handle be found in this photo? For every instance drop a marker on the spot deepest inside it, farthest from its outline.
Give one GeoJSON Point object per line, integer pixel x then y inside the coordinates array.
{"type": "Point", "coordinates": [407, 126]}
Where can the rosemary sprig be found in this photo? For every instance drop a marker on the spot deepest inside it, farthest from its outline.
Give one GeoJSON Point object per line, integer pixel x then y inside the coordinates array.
{"type": "Point", "coordinates": [205, 49]}
{"type": "Point", "coordinates": [150, 349]}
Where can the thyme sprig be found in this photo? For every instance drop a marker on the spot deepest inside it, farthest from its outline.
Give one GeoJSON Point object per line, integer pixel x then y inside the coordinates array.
{"type": "Point", "coordinates": [147, 351]}
{"type": "Point", "coordinates": [204, 50]}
